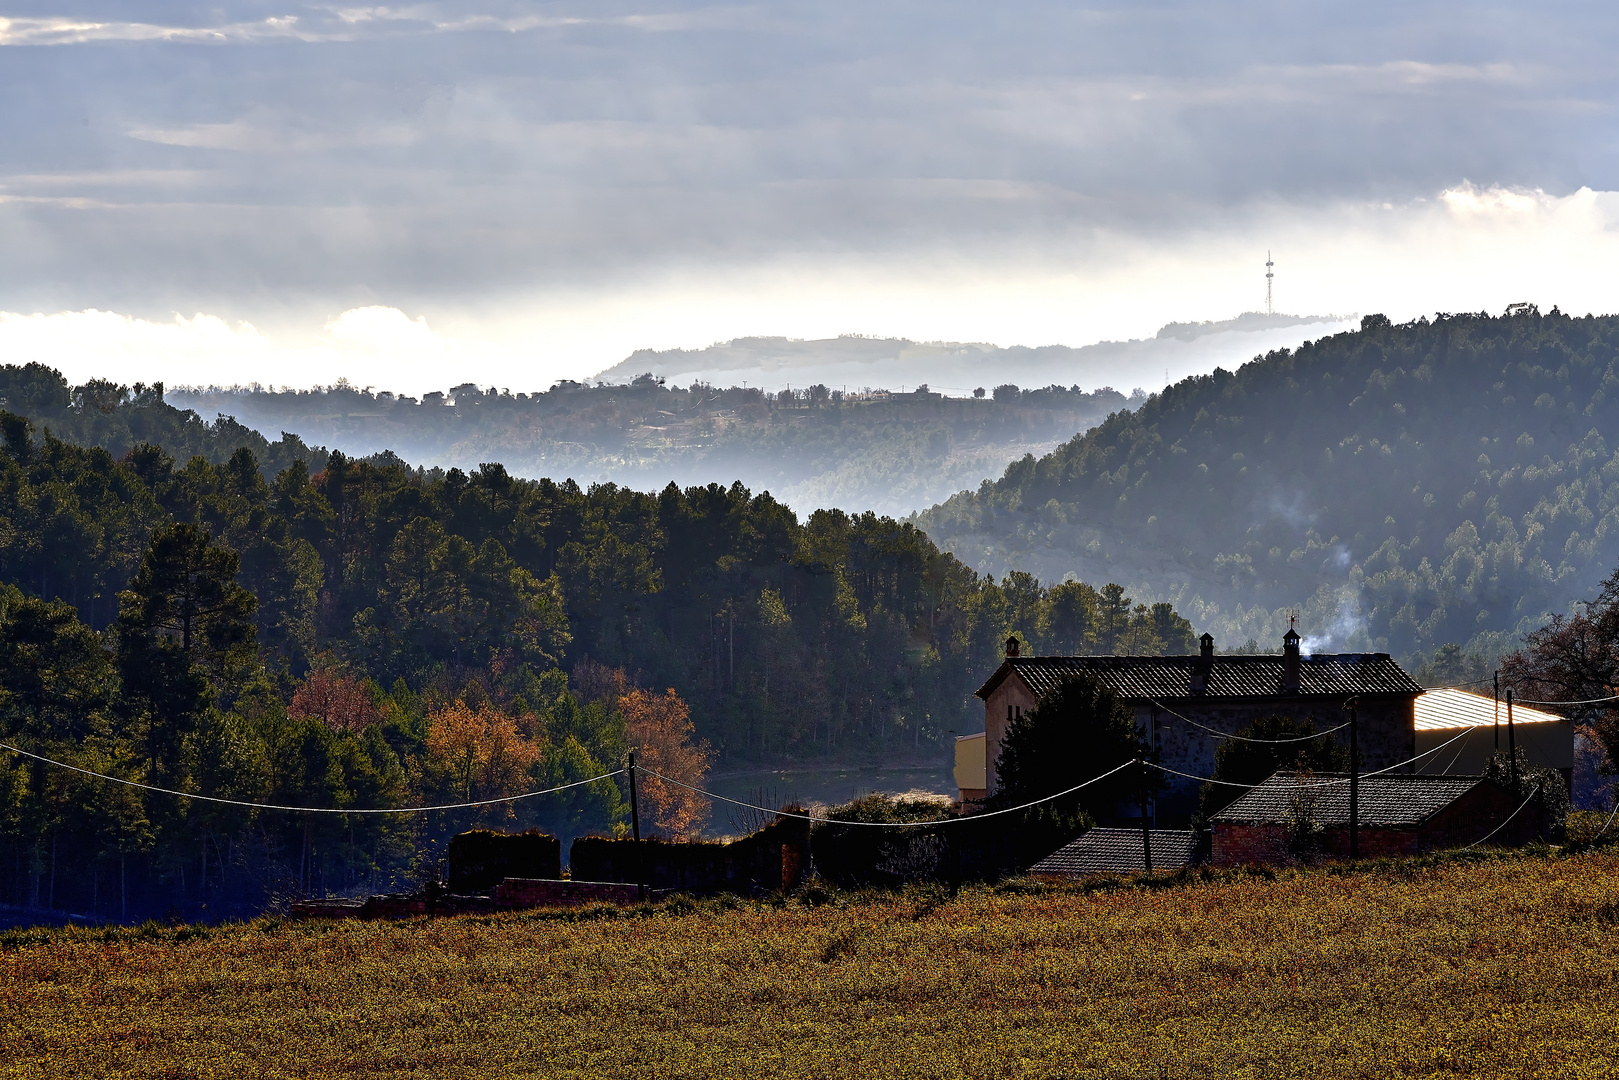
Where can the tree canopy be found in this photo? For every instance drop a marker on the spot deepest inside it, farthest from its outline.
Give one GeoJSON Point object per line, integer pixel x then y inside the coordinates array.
{"type": "Point", "coordinates": [1076, 732]}
{"type": "Point", "coordinates": [1443, 480]}
{"type": "Point", "coordinates": [371, 635]}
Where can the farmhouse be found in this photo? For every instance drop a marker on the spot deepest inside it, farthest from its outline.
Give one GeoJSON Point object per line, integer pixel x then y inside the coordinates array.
{"type": "Point", "coordinates": [1288, 815]}
{"type": "Point", "coordinates": [1185, 704]}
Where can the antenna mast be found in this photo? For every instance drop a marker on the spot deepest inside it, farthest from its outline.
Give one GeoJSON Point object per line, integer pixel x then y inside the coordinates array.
{"type": "Point", "coordinates": [1268, 276]}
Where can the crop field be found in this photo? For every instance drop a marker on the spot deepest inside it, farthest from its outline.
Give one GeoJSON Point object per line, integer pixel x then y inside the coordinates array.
{"type": "Point", "coordinates": [1500, 966]}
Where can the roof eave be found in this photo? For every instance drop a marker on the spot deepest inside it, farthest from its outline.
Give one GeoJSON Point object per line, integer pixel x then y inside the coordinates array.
{"type": "Point", "coordinates": [995, 680]}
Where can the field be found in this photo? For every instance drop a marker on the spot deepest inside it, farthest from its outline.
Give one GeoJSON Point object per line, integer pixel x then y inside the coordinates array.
{"type": "Point", "coordinates": [1500, 966]}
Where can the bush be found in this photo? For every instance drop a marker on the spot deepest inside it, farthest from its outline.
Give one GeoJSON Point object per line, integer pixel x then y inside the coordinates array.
{"type": "Point", "coordinates": [480, 858]}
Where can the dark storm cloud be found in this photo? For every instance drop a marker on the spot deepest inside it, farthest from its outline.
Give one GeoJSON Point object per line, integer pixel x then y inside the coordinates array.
{"type": "Point", "coordinates": [167, 154]}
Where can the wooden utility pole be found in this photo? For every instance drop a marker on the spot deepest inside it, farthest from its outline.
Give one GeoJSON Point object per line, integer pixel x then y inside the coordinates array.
{"type": "Point", "coordinates": [1497, 680]}
{"type": "Point", "coordinates": [635, 829]}
{"type": "Point", "coordinates": [1512, 745]}
{"type": "Point", "coordinates": [1354, 777]}
{"type": "Point", "coordinates": [1146, 825]}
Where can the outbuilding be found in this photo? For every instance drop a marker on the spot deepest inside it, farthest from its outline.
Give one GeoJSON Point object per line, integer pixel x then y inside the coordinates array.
{"type": "Point", "coordinates": [1291, 816]}
{"type": "Point", "coordinates": [1119, 851]}
{"type": "Point", "coordinates": [1458, 733]}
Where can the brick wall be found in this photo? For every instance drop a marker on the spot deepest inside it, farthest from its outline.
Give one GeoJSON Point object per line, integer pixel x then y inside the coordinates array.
{"type": "Point", "coordinates": [543, 892]}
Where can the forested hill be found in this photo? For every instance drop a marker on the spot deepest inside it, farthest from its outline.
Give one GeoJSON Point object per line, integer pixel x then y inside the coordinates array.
{"type": "Point", "coordinates": [1405, 485]}
{"type": "Point", "coordinates": [828, 635]}
{"type": "Point", "coordinates": [118, 418]}
{"type": "Point", "coordinates": [812, 447]}
{"type": "Point", "coordinates": [367, 634]}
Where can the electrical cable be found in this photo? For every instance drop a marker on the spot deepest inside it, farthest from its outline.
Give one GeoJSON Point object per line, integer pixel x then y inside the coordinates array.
{"type": "Point", "coordinates": [306, 809]}
{"type": "Point", "coordinates": [1587, 701]}
{"type": "Point", "coordinates": [884, 824]}
{"type": "Point", "coordinates": [1605, 824]}
{"type": "Point", "coordinates": [1318, 783]}
{"type": "Point", "coordinates": [1510, 816]}
{"type": "Point", "coordinates": [1460, 750]}
{"type": "Point", "coordinates": [1244, 738]}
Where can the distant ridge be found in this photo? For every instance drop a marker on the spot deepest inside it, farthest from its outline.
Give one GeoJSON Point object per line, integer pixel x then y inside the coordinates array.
{"type": "Point", "coordinates": [960, 367]}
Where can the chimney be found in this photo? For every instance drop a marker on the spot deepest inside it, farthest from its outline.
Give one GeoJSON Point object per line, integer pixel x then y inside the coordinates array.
{"type": "Point", "coordinates": [1011, 648]}
{"type": "Point", "coordinates": [1204, 664]}
{"type": "Point", "coordinates": [1290, 660]}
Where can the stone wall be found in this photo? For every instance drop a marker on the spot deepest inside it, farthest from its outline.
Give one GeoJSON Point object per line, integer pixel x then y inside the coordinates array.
{"type": "Point", "coordinates": [1387, 735]}
{"type": "Point", "coordinates": [1012, 698]}
{"type": "Point", "coordinates": [770, 860]}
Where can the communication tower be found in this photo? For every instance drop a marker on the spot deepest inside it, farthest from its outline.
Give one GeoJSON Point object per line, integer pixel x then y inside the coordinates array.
{"type": "Point", "coordinates": [1268, 276]}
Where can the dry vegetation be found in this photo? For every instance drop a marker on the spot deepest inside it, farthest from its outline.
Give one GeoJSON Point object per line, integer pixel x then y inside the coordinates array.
{"type": "Point", "coordinates": [1499, 966]}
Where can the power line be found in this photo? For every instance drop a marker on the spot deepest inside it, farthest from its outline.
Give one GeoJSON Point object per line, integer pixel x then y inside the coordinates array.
{"type": "Point", "coordinates": [1605, 824]}
{"type": "Point", "coordinates": [1318, 783]}
{"type": "Point", "coordinates": [1244, 738]}
{"type": "Point", "coordinates": [1503, 825]}
{"type": "Point", "coordinates": [306, 809]}
{"type": "Point", "coordinates": [885, 824]}
{"type": "Point", "coordinates": [1587, 701]}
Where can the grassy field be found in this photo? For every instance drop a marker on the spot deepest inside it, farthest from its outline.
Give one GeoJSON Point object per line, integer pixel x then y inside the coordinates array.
{"type": "Point", "coordinates": [1498, 967]}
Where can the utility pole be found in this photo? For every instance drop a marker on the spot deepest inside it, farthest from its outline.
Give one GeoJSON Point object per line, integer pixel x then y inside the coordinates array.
{"type": "Point", "coordinates": [1354, 777]}
{"type": "Point", "coordinates": [1497, 680]}
{"type": "Point", "coordinates": [1512, 745]}
{"type": "Point", "coordinates": [635, 828]}
{"type": "Point", "coordinates": [1146, 825]}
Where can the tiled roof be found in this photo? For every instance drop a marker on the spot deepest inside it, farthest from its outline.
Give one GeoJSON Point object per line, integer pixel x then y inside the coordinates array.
{"type": "Point", "coordinates": [1169, 677]}
{"type": "Point", "coordinates": [1117, 851]}
{"type": "Point", "coordinates": [1446, 708]}
{"type": "Point", "coordinates": [1387, 801]}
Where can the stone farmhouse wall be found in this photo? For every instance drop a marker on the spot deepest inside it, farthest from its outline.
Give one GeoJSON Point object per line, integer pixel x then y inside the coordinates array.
{"type": "Point", "coordinates": [1387, 735]}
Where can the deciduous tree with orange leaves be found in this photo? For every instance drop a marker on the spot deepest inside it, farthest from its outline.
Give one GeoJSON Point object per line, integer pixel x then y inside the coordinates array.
{"type": "Point", "coordinates": [658, 728]}
{"type": "Point", "coordinates": [481, 750]}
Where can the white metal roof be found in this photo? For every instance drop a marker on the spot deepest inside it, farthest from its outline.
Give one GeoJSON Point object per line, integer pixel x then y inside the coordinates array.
{"type": "Point", "coordinates": [1459, 709]}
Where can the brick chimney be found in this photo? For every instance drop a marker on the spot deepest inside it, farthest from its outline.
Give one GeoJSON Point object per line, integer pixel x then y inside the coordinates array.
{"type": "Point", "coordinates": [1204, 664]}
{"type": "Point", "coordinates": [1290, 661]}
{"type": "Point", "coordinates": [1011, 648]}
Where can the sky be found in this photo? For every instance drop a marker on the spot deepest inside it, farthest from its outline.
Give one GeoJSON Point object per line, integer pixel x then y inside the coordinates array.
{"type": "Point", "coordinates": [509, 193]}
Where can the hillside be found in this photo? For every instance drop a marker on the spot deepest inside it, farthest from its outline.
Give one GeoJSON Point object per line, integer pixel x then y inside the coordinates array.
{"type": "Point", "coordinates": [1439, 481]}
{"type": "Point", "coordinates": [813, 447]}
{"type": "Point", "coordinates": [366, 634]}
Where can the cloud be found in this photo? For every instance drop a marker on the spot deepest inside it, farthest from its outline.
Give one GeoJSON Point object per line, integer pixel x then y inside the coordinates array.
{"type": "Point", "coordinates": [1023, 173]}
{"type": "Point", "coordinates": [66, 31]}
{"type": "Point", "coordinates": [368, 344]}
{"type": "Point", "coordinates": [387, 330]}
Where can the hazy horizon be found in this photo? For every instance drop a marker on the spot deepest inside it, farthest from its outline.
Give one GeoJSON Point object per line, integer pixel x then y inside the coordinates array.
{"type": "Point", "coordinates": [522, 192]}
